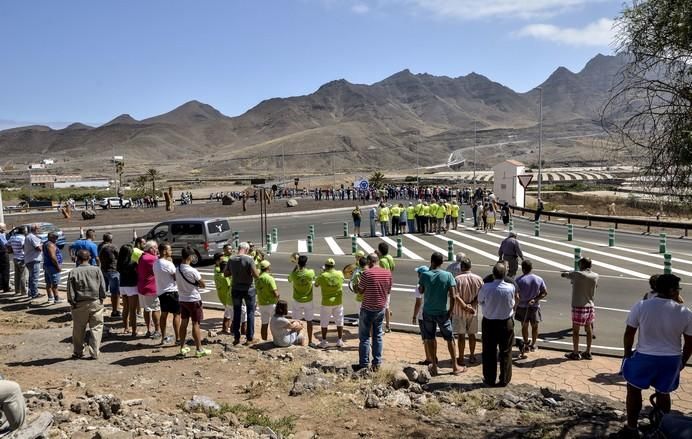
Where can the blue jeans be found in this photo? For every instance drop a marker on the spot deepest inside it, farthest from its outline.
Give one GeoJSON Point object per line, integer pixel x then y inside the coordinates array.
{"type": "Point", "coordinates": [411, 226]}
{"type": "Point", "coordinates": [370, 320]}
{"type": "Point", "coordinates": [250, 299]}
{"type": "Point", "coordinates": [112, 279]}
{"type": "Point", "coordinates": [34, 271]}
{"type": "Point", "coordinates": [384, 226]}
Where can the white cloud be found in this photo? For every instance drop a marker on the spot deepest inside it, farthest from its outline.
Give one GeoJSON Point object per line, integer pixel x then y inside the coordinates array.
{"type": "Point", "coordinates": [360, 8]}
{"type": "Point", "coordinates": [474, 9]}
{"type": "Point", "coordinates": [598, 33]}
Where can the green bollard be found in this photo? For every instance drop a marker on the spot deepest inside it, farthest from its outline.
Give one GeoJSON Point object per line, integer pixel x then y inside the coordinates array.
{"type": "Point", "coordinates": [312, 231]}
{"type": "Point", "coordinates": [275, 235]}
{"type": "Point", "coordinates": [667, 263]}
{"type": "Point", "coordinates": [345, 230]}
{"type": "Point", "coordinates": [577, 256]}
{"type": "Point", "coordinates": [463, 217]}
{"type": "Point", "coordinates": [236, 239]}
{"type": "Point", "coordinates": [399, 247]}
{"type": "Point", "coordinates": [611, 237]}
{"type": "Point", "coordinates": [662, 243]}
{"type": "Point", "coordinates": [309, 243]}
{"type": "Point", "coordinates": [511, 225]}
{"type": "Point", "coordinates": [450, 250]}
{"type": "Point", "coordinates": [354, 247]}
{"type": "Point", "coordinates": [537, 228]}
{"type": "Point", "coordinates": [269, 243]}
{"type": "Point", "coordinates": [570, 232]}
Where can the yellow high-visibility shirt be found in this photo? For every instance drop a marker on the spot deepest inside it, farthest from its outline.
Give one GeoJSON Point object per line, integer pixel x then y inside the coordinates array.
{"type": "Point", "coordinates": [383, 214]}
{"type": "Point", "coordinates": [411, 212]}
{"type": "Point", "coordinates": [455, 211]}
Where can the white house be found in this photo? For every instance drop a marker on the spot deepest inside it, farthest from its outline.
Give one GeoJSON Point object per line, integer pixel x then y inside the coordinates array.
{"type": "Point", "coordinates": [506, 185]}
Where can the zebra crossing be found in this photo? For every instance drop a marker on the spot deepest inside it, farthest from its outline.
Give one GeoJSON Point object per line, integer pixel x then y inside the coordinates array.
{"type": "Point", "coordinates": [547, 253]}
{"type": "Point", "coordinates": [550, 176]}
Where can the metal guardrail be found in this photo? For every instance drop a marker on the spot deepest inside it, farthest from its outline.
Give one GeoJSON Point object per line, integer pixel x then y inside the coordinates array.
{"type": "Point", "coordinates": [609, 219]}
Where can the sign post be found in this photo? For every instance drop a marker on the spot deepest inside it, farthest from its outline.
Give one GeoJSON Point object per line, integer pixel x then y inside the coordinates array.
{"type": "Point", "coordinates": [524, 181]}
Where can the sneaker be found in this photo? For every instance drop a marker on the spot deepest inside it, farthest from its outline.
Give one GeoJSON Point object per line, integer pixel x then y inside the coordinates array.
{"type": "Point", "coordinates": [573, 356]}
{"type": "Point", "coordinates": [339, 343]}
{"type": "Point", "coordinates": [324, 344]}
{"type": "Point", "coordinates": [50, 301]}
{"type": "Point", "coordinates": [312, 344]}
{"type": "Point", "coordinates": [156, 334]}
{"type": "Point", "coordinates": [59, 300]}
{"type": "Point", "coordinates": [586, 356]}
{"type": "Point", "coordinates": [203, 352]}
{"type": "Point", "coordinates": [236, 341]}
{"type": "Point", "coordinates": [184, 351]}
{"type": "Point", "coordinates": [167, 340]}
{"type": "Point", "coordinates": [148, 334]}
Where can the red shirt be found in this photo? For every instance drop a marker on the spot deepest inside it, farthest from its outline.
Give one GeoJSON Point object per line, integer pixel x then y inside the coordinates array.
{"type": "Point", "coordinates": [375, 284]}
{"type": "Point", "coordinates": [146, 282]}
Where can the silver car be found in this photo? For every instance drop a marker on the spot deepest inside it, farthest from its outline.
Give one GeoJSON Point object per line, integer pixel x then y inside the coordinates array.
{"type": "Point", "coordinates": [205, 236]}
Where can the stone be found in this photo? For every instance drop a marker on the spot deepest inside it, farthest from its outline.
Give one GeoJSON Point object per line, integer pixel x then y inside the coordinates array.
{"type": "Point", "coordinates": [304, 383]}
{"type": "Point", "coordinates": [291, 202]}
{"type": "Point", "coordinates": [411, 373]}
{"type": "Point", "coordinates": [398, 399]}
{"type": "Point", "coordinates": [400, 380]}
{"type": "Point", "coordinates": [550, 402]}
{"type": "Point", "coordinates": [372, 401]}
{"type": "Point", "coordinates": [423, 376]}
{"type": "Point", "coordinates": [415, 388]}
{"type": "Point", "coordinates": [509, 396]}
{"type": "Point", "coordinates": [133, 402]}
{"type": "Point", "coordinates": [230, 419]}
{"type": "Point", "coordinates": [113, 434]}
{"type": "Point", "coordinates": [306, 434]}
{"type": "Point", "coordinates": [200, 403]}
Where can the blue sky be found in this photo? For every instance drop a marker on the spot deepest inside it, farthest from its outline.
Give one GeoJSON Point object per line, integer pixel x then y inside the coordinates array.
{"type": "Point", "coordinates": [86, 60]}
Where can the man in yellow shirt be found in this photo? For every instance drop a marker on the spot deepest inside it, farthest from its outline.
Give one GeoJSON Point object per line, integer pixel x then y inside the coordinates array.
{"type": "Point", "coordinates": [383, 218]}
{"type": "Point", "coordinates": [395, 212]}
{"type": "Point", "coordinates": [419, 210]}
{"type": "Point", "coordinates": [331, 281]}
{"type": "Point", "coordinates": [411, 217]}
{"type": "Point", "coordinates": [440, 217]}
{"type": "Point", "coordinates": [455, 214]}
{"type": "Point", "coordinates": [433, 217]}
{"type": "Point", "coordinates": [426, 217]}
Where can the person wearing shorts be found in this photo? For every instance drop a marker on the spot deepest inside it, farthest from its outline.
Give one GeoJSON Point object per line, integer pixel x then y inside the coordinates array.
{"type": "Point", "coordinates": [108, 257]}
{"type": "Point", "coordinates": [662, 322]}
{"type": "Point", "coordinates": [167, 291]}
{"type": "Point", "coordinates": [302, 279]}
{"type": "Point", "coordinates": [331, 281]}
{"type": "Point", "coordinates": [465, 322]}
{"type": "Point", "coordinates": [189, 282]}
{"type": "Point", "coordinates": [128, 288]}
{"type": "Point", "coordinates": [267, 296]}
{"type": "Point", "coordinates": [584, 284]}
{"type": "Point", "coordinates": [531, 290]}
{"type": "Point", "coordinates": [418, 315]}
{"type": "Point", "coordinates": [52, 266]}
{"type": "Point", "coordinates": [146, 286]}
{"type": "Point", "coordinates": [438, 288]}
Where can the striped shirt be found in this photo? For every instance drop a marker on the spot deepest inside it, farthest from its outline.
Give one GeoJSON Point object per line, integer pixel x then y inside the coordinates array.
{"type": "Point", "coordinates": [375, 284]}
{"type": "Point", "coordinates": [468, 285]}
{"type": "Point", "coordinates": [17, 244]}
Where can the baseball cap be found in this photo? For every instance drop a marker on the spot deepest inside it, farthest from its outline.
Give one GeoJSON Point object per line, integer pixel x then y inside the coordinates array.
{"type": "Point", "coordinates": [265, 264]}
{"type": "Point", "coordinates": [360, 254]}
{"type": "Point", "coordinates": [330, 262]}
{"type": "Point", "coordinates": [422, 269]}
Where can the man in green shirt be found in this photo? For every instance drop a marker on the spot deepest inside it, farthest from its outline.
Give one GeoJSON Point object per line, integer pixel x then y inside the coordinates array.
{"type": "Point", "coordinates": [302, 280]}
{"type": "Point", "coordinates": [331, 282]}
{"type": "Point", "coordinates": [419, 211]}
{"type": "Point", "coordinates": [395, 212]}
{"type": "Point", "coordinates": [267, 295]}
{"type": "Point", "coordinates": [383, 218]}
{"type": "Point", "coordinates": [411, 217]}
{"type": "Point", "coordinates": [432, 217]}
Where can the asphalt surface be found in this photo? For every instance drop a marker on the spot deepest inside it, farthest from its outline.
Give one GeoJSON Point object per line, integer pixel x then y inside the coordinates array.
{"type": "Point", "coordinates": [624, 268]}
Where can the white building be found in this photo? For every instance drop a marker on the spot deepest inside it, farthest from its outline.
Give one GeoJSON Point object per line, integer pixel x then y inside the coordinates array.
{"type": "Point", "coordinates": [506, 185]}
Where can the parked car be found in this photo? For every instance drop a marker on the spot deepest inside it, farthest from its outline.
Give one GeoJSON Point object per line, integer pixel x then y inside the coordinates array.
{"type": "Point", "coordinates": [206, 236]}
{"type": "Point", "coordinates": [114, 203]}
{"type": "Point", "coordinates": [43, 234]}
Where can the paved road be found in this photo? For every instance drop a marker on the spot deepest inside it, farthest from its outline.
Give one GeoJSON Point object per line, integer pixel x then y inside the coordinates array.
{"type": "Point", "coordinates": [624, 269]}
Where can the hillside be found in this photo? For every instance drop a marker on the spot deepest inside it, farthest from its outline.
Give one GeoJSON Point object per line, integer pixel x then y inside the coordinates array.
{"type": "Point", "coordinates": [371, 126]}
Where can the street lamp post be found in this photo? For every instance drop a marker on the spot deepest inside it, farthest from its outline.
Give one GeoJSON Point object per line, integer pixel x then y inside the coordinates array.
{"type": "Point", "coordinates": [417, 167]}
{"type": "Point", "coordinates": [475, 142]}
{"type": "Point", "coordinates": [540, 140]}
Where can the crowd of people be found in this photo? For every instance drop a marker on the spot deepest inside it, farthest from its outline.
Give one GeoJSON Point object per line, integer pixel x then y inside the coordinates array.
{"type": "Point", "coordinates": [144, 283]}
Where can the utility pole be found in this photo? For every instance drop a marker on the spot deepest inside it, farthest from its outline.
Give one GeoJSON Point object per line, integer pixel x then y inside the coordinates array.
{"type": "Point", "coordinates": [30, 186]}
{"type": "Point", "coordinates": [540, 140]}
{"type": "Point", "coordinates": [283, 163]}
{"type": "Point", "coordinates": [334, 168]}
{"type": "Point", "coordinates": [417, 167]}
{"type": "Point", "coordinates": [2, 209]}
{"type": "Point", "coordinates": [475, 142]}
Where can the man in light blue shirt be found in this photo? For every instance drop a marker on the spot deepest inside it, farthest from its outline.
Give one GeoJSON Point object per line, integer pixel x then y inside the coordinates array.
{"type": "Point", "coordinates": [497, 302]}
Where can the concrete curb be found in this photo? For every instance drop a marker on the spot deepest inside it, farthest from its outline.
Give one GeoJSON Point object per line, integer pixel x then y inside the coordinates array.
{"type": "Point", "coordinates": [231, 218]}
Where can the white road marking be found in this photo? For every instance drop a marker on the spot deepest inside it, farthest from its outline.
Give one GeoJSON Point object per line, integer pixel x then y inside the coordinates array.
{"type": "Point", "coordinates": [333, 246]}
{"type": "Point", "coordinates": [640, 252]}
{"type": "Point", "coordinates": [404, 250]}
{"type": "Point", "coordinates": [365, 246]}
{"type": "Point", "coordinates": [426, 244]}
{"type": "Point", "coordinates": [302, 246]}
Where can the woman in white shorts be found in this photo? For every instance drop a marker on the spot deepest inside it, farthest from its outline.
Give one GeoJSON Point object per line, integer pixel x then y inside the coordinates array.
{"type": "Point", "coordinates": [128, 289]}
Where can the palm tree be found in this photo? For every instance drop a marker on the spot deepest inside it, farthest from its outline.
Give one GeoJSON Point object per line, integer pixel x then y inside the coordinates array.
{"type": "Point", "coordinates": [377, 180]}
{"type": "Point", "coordinates": [119, 169]}
{"type": "Point", "coordinates": [153, 174]}
{"type": "Point", "coordinates": [140, 184]}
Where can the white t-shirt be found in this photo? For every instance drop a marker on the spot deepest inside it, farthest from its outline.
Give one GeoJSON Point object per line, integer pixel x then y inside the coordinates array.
{"type": "Point", "coordinates": [661, 324]}
{"type": "Point", "coordinates": [188, 292]}
{"type": "Point", "coordinates": [281, 332]}
{"type": "Point", "coordinates": [164, 272]}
